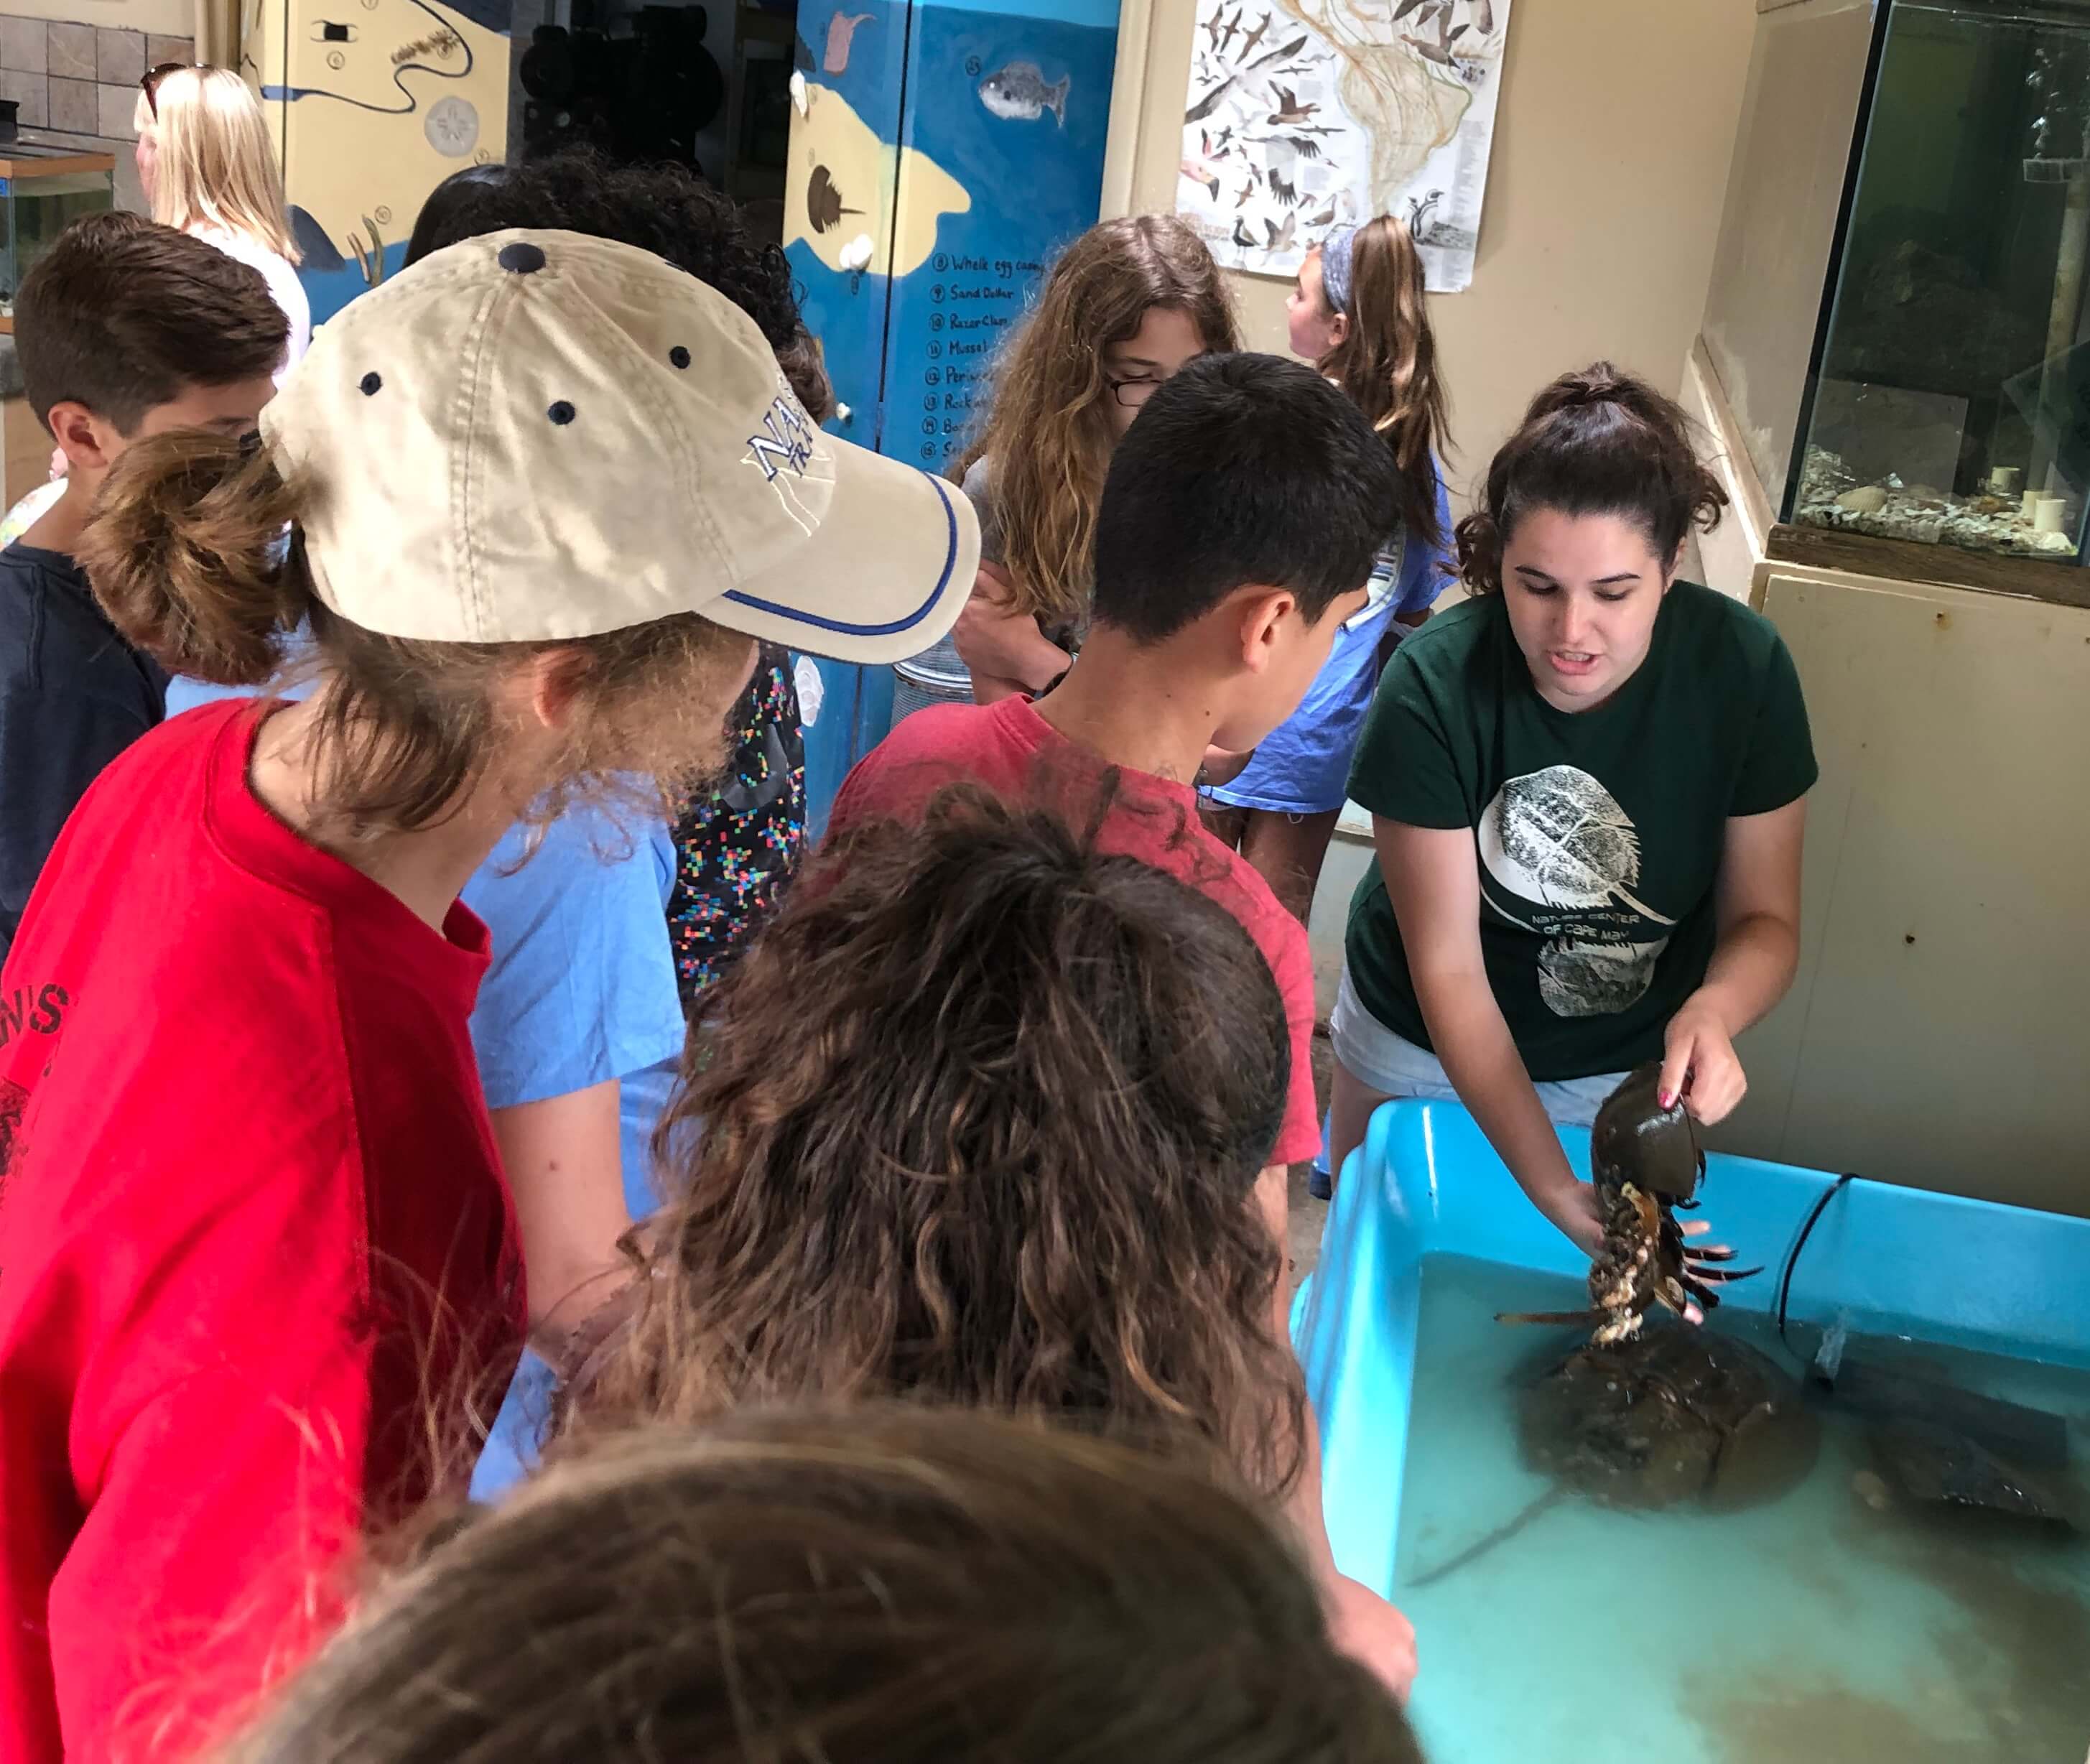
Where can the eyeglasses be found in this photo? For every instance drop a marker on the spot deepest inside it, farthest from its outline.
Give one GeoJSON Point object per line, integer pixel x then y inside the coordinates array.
{"type": "Point", "coordinates": [150, 84]}
{"type": "Point", "coordinates": [1135, 391]}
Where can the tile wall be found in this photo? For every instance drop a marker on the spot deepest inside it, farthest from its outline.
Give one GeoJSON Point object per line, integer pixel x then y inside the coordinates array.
{"type": "Point", "coordinates": [79, 79]}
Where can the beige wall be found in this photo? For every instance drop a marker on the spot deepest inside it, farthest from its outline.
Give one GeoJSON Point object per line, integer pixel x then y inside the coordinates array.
{"type": "Point", "coordinates": [1934, 1034]}
{"type": "Point", "coordinates": [166, 18]}
{"type": "Point", "coordinates": [1799, 106]}
{"type": "Point", "coordinates": [1616, 125]}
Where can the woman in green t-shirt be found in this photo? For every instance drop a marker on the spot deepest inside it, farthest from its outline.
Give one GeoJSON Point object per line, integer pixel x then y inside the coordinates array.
{"type": "Point", "coordinates": [1586, 787]}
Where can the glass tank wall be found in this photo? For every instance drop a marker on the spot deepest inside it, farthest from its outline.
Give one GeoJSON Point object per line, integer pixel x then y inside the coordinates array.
{"type": "Point", "coordinates": [1950, 402]}
{"type": "Point", "coordinates": [39, 200]}
{"type": "Point", "coordinates": [1777, 231]}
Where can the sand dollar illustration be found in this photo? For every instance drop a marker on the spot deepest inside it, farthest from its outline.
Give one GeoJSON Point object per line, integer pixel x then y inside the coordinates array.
{"type": "Point", "coordinates": [839, 167]}
{"type": "Point", "coordinates": [812, 689]}
{"type": "Point", "coordinates": [452, 127]}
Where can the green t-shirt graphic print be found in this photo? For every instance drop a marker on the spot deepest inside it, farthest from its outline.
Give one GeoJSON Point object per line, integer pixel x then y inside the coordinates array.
{"type": "Point", "coordinates": [1598, 834]}
{"type": "Point", "coordinates": [1559, 859]}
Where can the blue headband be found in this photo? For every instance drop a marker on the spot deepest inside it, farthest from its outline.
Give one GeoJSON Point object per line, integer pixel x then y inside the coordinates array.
{"type": "Point", "coordinates": [1336, 250]}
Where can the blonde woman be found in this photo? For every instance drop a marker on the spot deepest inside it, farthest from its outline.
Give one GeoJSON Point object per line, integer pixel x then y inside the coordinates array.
{"type": "Point", "coordinates": [208, 167]}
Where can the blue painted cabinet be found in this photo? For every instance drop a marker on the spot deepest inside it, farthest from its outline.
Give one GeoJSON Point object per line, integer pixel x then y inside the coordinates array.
{"type": "Point", "coordinates": [941, 153]}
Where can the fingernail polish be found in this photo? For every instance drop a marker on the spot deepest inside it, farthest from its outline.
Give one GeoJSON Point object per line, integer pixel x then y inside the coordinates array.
{"type": "Point", "coordinates": [1668, 1099]}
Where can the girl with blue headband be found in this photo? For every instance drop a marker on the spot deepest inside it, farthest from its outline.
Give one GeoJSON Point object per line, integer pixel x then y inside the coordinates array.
{"type": "Point", "coordinates": [1358, 314]}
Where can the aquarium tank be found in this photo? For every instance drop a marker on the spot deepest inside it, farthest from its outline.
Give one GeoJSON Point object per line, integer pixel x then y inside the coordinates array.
{"type": "Point", "coordinates": [1949, 400]}
{"type": "Point", "coordinates": [43, 191]}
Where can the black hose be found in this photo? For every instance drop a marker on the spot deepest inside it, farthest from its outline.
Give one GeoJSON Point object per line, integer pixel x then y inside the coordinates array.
{"type": "Point", "coordinates": [1800, 1243]}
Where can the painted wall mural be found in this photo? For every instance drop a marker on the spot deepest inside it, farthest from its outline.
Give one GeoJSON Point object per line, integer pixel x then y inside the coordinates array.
{"type": "Point", "coordinates": [941, 153]}
{"type": "Point", "coordinates": [1302, 115]}
{"type": "Point", "coordinates": [839, 171]}
{"type": "Point", "coordinates": [373, 103]}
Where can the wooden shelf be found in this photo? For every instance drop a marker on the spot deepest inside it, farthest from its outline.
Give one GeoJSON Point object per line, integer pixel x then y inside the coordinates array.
{"type": "Point", "coordinates": [24, 170]}
{"type": "Point", "coordinates": [1907, 559]}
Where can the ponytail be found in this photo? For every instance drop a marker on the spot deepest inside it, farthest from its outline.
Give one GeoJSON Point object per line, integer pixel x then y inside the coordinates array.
{"type": "Point", "coordinates": [186, 552]}
{"type": "Point", "coordinates": [1595, 442]}
{"type": "Point", "coordinates": [186, 546]}
{"type": "Point", "coordinates": [1387, 364]}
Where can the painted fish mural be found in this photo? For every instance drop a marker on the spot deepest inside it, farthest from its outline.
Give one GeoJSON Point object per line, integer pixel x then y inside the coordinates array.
{"type": "Point", "coordinates": [1017, 93]}
{"type": "Point", "coordinates": [841, 32]}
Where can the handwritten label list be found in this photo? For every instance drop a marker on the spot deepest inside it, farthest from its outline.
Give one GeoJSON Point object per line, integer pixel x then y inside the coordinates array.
{"type": "Point", "coordinates": [975, 300]}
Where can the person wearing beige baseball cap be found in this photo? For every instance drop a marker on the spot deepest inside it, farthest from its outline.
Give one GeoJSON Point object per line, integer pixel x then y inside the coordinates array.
{"type": "Point", "coordinates": [258, 1263]}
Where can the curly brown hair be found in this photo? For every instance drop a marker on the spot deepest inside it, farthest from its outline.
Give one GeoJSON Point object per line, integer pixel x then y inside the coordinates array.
{"type": "Point", "coordinates": [667, 209]}
{"type": "Point", "coordinates": [979, 1119]}
{"type": "Point", "coordinates": [887, 1586]}
{"type": "Point", "coordinates": [1048, 437]}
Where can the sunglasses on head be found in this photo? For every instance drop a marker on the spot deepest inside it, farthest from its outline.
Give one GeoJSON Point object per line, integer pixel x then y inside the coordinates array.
{"type": "Point", "coordinates": [150, 84]}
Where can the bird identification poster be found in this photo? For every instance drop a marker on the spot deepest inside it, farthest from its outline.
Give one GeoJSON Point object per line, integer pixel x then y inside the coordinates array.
{"type": "Point", "coordinates": [1304, 115]}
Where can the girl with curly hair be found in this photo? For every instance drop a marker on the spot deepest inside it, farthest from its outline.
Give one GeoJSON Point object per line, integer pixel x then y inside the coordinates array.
{"type": "Point", "coordinates": [982, 1115]}
{"type": "Point", "coordinates": [1124, 307]}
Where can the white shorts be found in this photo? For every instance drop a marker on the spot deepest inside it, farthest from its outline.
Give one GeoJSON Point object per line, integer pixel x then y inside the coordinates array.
{"type": "Point", "coordinates": [1382, 1061]}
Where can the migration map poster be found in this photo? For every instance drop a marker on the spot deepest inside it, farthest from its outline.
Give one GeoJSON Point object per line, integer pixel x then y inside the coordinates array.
{"type": "Point", "coordinates": [1303, 114]}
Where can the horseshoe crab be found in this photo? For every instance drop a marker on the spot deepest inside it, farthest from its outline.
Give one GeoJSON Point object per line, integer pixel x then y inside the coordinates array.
{"type": "Point", "coordinates": [1672, 1415]}
{"type": "Point", "coordinates": [1645, 1162]}
{"type": "Point", "coordinates": [1648, 1418]}
{"type": "Point", "coordinates": [1666, 1416]}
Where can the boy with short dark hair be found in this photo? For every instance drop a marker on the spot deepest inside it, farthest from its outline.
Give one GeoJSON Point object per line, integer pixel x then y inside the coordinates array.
{"type": "Point", "coordinates": [1237, 530]}
{"type": "Point", "coordinates": [124, 329]}
{"type": "Point", "coordinates": [1238, 524]}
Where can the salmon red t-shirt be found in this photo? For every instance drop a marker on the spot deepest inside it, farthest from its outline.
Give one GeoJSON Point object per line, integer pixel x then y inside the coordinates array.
{"type": "Point", "coordinates": [255, 1245]}
{"type": "Point", "coordinates": [1008, 747]}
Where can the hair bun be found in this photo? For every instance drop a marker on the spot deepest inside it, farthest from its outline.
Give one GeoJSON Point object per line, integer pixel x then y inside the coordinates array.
{"type": "Point", "coordinates": [1594, 442]}
{"type": "Point", "coordinates": [1599, 383]}
{"type": "Point", "coordinates": [183, 546]}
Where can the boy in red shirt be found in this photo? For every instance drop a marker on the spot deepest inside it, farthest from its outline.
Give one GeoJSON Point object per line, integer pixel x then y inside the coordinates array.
{"type": "Point", "coordinates": [1239, 524]}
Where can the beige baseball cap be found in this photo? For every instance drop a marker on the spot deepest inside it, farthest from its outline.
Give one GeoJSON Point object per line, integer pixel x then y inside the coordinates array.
{"type": "Point", "coordinates": [539, 435]}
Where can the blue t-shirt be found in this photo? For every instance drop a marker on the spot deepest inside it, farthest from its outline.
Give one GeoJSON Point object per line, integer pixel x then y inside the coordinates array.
{"type": "Point", "coordinates": [1302, 766]}
{"type": "Point", "coordinates": [582, 986]}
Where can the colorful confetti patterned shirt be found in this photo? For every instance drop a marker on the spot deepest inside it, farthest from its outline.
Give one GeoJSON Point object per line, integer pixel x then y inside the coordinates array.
{"type": "Point", "coordinates": [737, 847]}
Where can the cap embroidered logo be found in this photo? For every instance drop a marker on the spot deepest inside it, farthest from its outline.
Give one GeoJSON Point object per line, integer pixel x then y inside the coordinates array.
{"type": "Point", "coordinates": [786, 439]}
